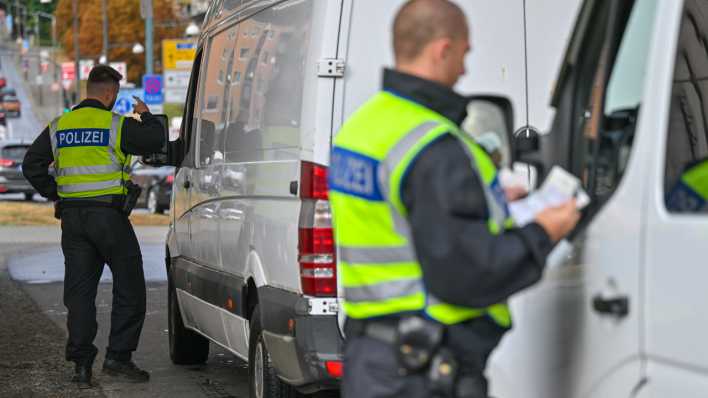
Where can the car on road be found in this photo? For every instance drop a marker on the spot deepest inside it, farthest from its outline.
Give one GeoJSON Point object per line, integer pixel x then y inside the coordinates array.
{"type": "Point", "coordinates": [156, 184]}
{"type": "Point", "coordinates": [11, 178]}
{"type": "Point", "coordinates": [11, 105]}
{"type": "Point", "coordinates": [7, 91]}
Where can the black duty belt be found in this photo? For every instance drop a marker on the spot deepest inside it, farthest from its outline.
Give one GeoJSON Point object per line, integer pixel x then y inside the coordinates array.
{"type": "Point", "coordinates": [384, 330]}
{"type": "Point", "coordinates": [114, 201]}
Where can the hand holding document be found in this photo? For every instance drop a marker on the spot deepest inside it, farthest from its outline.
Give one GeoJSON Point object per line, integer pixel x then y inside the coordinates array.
{"type": "Point", "coordinates": [558, 188]}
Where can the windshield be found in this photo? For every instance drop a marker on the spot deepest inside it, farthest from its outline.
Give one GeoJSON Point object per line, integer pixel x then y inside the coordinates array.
{"type": "Point", "coordinates": [15, 152]}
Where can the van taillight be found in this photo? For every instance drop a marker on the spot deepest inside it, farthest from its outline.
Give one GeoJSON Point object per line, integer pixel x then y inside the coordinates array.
{"type": "Point", "coordinates": [316, 248]}
{"type": "Point", "coordinates": [313, 181]}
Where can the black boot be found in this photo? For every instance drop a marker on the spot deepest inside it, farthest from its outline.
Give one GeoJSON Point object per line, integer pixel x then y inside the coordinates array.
{"type": "Point", "coordinates": [82, 376]}
{"type": "Point", "coordinates": [126, 370]}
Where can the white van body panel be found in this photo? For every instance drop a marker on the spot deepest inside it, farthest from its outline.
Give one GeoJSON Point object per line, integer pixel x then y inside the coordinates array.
{"type": "Point", "coordinates": [676, 272]}
{"type": "Point", "coordinates": [495, 65]}
{"type": "Point", "coordinates": [669, 379]}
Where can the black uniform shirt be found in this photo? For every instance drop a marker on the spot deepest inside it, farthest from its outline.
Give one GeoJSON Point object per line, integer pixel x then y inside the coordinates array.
{"type": "Point", "coordinates": [137, 138]}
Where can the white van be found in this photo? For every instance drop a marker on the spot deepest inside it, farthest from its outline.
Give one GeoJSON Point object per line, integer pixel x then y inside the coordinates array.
{"type": "Point", "coordinates": [250, 254]}
{"type": "Point", "coordinates": [620, 315]}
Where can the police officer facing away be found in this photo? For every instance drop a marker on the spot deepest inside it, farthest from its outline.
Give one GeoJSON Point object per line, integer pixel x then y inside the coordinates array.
{"type": "Point", "coordinates": [427, 253]}
{"type": "Point", "coordinates": [90, 148]}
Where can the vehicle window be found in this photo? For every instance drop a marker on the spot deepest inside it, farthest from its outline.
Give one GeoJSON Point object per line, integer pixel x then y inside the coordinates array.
{"type": "Point", "coordinates": [686, 166]}
{"type": "Point", "coordinates": [267, 82]}
{"type": "Point", "coordinates": [614, 97]}
{"type": "Point", "coordinates": [191, 114]}
{"type": "Point", "coordinates": [16, 153]}
{"type": "Point", "coordinates": [215, 83]}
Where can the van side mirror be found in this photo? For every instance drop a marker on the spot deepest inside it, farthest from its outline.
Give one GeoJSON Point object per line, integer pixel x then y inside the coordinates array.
{"type": "Point", "coordinates": [160, 158]}
{"type": "Point", "coordinates": [489, 121]}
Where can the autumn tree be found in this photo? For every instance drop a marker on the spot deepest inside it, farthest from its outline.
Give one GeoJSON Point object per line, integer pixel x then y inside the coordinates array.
{"type": "Point", "coordinates": [125, 28]}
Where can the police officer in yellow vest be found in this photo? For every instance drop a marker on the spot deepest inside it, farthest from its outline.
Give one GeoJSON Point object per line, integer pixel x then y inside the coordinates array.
{"type": "Point", "coordinates": [90, 148]}
{"type": "Point", "coordinates": [427, 254]}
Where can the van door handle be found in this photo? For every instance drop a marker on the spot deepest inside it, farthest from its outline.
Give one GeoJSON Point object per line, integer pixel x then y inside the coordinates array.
{"type": "Point", "coordinates": [187, 184]}
{"type": "Point", "coordinates": [617, 306]}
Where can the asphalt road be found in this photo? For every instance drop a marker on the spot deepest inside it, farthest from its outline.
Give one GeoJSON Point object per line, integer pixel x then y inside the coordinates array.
{"type": "Point", "coordinates": [26, 127]}
{"type": "Point", "coordinates": [38, 269]}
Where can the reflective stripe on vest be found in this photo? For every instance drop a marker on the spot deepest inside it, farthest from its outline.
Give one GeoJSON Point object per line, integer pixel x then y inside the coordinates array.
{"type": "Point", "coordinates": [88, 158]}
{"type": "Point", "coordinates": [380, 271]}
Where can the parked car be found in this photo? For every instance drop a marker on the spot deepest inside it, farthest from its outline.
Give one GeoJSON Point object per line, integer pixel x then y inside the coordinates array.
{"type": "Point", "coordinates": [156, 183]}
{"type": "Point", "coordinates": [11, 179]}
{"type": "Point", "coordinates": [250, 254]}
{"type": "Point", "coordinates": [3, 81]}
{"type": "Point", "coordinates": [11, 105]}
{"type": "Point", "coordinates": [7, 91]}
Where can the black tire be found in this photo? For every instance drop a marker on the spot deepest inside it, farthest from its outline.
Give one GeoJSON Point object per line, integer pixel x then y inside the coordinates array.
{"type": "Point", "coordinates": [270, 386]}
{"type": "Point", "coordinates": [29, 196]}
{"type": "Point", "coordinates": [186, 346]}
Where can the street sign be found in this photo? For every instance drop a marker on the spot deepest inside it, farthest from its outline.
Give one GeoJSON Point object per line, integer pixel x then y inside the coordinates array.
{"type": "Point", "coordinates": [124, 102]}
{"type": "Point", "coordinates": [68, 71]}
{"type": "Point", "coordinates": [122, 68]}
{"type": "Point", "coordinates": [178, 53]}
{"type": "Point", "coordinates": [85, 66]}
{"type": "Point", "coordinates": [177, 78]}
{"type": "Point", "coordinates": [44, 66]}
{"type": "Point", "coordinates": [123, 106]}
{"type": "Point", "coordinates": [175, 95]}
{"type": "Point", "coordinates": [38, 80]}
{"type": "Point", "coordinates": [152, 87]}
{"type": "Point", "coordinates": [157, 109]}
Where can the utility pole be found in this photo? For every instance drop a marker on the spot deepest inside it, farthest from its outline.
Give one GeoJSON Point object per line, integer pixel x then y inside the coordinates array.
{"type": "Point", "coordinates": [147, 12]}
{"type": "Point", "coordinates": [104, 9]}
{"type": "Point", "coordinates": [77, 54]}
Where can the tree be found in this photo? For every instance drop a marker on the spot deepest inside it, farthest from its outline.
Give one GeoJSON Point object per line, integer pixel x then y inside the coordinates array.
{"type": "Point", "coordinates": [125, 28]}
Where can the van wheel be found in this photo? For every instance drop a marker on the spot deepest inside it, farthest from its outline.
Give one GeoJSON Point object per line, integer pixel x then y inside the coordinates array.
{"type": "Point", "coordinates": [29, 196]}
{"type": "Point", "coordinates": [263, 381]}
{"type": "Point", "coordinates": [186, 346]}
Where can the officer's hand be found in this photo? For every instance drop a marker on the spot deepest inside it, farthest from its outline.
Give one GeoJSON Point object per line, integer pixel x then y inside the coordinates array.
{"type": "Point", "coordinates": [514, 193]}
{"type": "Point", "coordinates": [559, 221]}
{"type": "Point", "coordinates": [140, 106]}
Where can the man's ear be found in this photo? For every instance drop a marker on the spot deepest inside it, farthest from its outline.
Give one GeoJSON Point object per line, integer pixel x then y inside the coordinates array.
{"type": "Point", "coordinates": [440, 49]}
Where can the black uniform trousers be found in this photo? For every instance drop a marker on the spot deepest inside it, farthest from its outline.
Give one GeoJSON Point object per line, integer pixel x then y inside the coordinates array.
{"type": "Point", "coordinates": [91, 238]}
{"type": "Point", "coordinates": [371, 368]}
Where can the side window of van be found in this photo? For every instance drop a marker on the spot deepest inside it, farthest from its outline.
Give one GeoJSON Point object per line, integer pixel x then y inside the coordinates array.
{"type": "Point", "coordinates": [686, 166]}
{"type": "Point", "coordinates": [267, 82]}
{"type": "Point", "coordinates": [607, 127]}
{"type": "Point", "coordinates": [215, 83]}
{"type": "Point", "coordinates": [188, 133]}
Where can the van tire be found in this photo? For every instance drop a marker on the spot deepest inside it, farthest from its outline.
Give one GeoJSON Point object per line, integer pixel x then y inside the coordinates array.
{"type": "Point", "coordinates": [269, 385]}
{"type": "Point", "coordinates": [186, 346]}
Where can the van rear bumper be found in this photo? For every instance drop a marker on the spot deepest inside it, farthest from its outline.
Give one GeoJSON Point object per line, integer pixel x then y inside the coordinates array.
{"type": "Point", "coordinates": [300, 343]}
